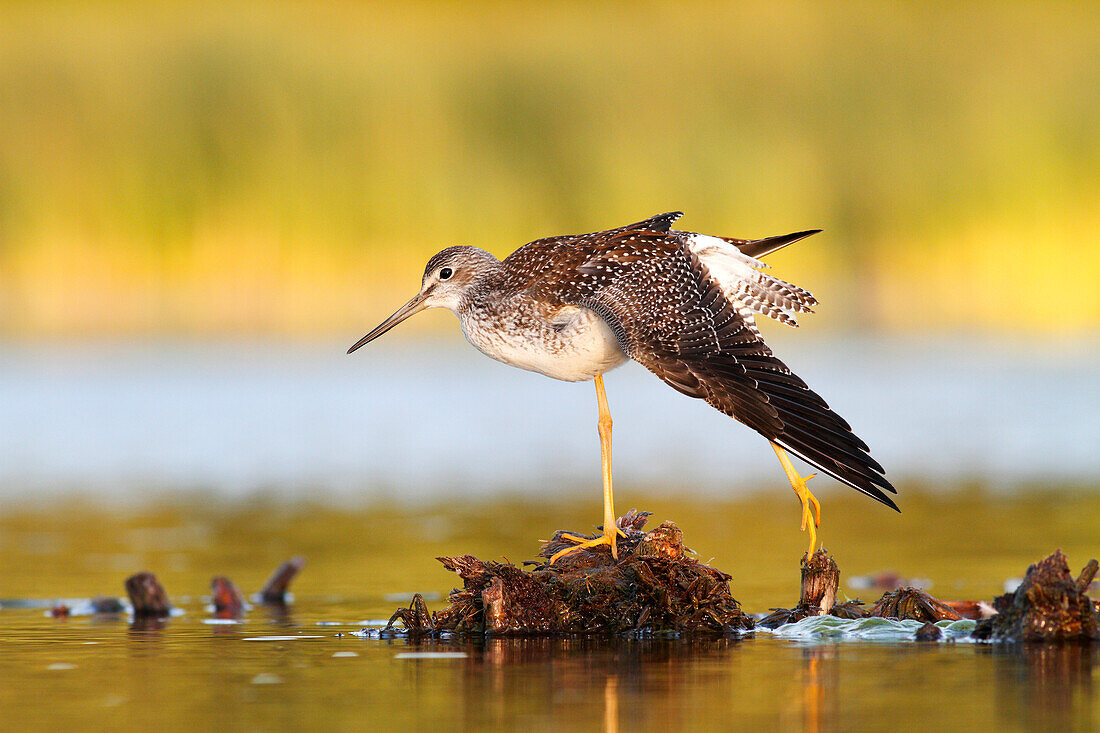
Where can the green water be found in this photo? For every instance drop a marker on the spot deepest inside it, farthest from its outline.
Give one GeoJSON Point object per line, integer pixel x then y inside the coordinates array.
{"type": "Point", "coordinates": [189, 674]}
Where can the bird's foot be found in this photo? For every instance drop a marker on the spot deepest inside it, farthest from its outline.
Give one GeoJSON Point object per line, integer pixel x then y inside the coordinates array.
{"type": "Point", "coordinates": [811, 509]}
{"type": "Point", "coordinates": [807, 500]}
{"type": "Point", "coordinates": [809, 521]}
{"type": "Point", "coordinates": [583, 543]}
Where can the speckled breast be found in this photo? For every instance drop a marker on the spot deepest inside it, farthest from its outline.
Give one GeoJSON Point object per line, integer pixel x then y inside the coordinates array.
{"type": "Point", "coordinates": [568, 343]}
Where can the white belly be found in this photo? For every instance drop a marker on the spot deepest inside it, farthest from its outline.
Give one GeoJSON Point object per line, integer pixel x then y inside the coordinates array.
{"type": "Point", "coordinates": [575, 346]}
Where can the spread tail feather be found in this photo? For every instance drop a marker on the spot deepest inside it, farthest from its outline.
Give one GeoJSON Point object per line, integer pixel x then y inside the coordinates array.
{"type": "Point", "coordinates": [757, 248]}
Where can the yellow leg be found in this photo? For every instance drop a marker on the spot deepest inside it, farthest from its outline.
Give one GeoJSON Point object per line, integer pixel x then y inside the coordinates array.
{"type": "Point", "coordinates": [610, 530]}
{"type": "Point", "coordinates": [809, 521]}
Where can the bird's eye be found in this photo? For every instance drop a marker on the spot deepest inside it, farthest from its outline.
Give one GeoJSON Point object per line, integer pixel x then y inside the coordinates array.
{"type": "Point", "coordinates": [445, 273]}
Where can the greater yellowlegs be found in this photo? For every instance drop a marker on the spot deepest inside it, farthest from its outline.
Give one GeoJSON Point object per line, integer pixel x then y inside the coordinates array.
{"type": "Point", "coordinates": [683, 305]}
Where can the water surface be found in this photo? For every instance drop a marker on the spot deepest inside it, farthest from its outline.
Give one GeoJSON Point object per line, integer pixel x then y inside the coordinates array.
{"type": "Point", "coordinates": [362, 562]}
{"type": "Point", "coordinates": [186, 675]}
{"type": "Point", "coordinates": [200, 460]}
{"type": "Point", "coordinates": [422, 420]}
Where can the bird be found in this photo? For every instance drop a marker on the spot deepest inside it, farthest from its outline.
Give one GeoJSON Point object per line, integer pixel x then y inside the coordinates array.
{"type": "Point", "coordinates": [684, 306]}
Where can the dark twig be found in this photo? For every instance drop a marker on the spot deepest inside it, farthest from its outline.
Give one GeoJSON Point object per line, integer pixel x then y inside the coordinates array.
{"type": "Point", "coordinates": [274, 590]}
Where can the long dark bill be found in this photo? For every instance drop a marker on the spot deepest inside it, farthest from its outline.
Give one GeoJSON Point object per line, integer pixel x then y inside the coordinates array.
{"type": "Point", "coordinates": [413, 307]}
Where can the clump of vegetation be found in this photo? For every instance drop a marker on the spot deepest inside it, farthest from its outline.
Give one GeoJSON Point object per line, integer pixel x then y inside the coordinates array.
{"type": "Point", "coordinates": [913, 604]}
{"type": "Point", "coordinates": [820, 580]}
{"type": "Point", "coordinates": [655, 586]}
{"type": "Point", "coordinates": [1048, 606]}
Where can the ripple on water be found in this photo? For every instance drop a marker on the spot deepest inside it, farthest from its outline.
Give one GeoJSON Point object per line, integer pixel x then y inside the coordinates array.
{"type": "Point", "coordinates": [831, 628]}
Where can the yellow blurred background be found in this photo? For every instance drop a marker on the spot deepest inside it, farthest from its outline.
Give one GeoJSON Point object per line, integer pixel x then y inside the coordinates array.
{"type": "Point", "coordinates": [203, 204]}
{"type": "Point", "coordinates": [286, 168]}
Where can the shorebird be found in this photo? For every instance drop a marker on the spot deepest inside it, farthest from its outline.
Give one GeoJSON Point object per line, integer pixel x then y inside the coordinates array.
{"type": "Point", "coordinates": [683, 305]}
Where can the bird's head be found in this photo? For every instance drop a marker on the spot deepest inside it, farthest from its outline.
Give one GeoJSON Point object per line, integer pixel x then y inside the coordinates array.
{"type": "Point", "coordinates": [448, 277]}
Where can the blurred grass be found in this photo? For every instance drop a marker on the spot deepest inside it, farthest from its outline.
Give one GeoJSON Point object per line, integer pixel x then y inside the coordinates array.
{"type": "Point", "coordinates": [287, 168]}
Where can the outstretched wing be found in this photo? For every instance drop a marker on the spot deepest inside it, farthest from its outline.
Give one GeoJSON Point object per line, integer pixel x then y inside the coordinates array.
{"type": "Point", "coordinates": [692, 330]}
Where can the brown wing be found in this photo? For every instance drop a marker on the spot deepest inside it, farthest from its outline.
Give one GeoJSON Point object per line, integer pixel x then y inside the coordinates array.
{"type": "Point", "coordinates": [549, 266]}
{"type": "Point", "coordinates": [671, 316]}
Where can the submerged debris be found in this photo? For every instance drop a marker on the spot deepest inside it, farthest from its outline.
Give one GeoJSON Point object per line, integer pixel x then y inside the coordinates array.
{"type": "Point", "coordinates": [227, 597]}
{"type": "Point", "coordinates": [150, 603]}
{"type": "Point", "coordinates": [107, 605]}
{"type": "Point", "coordinates": [974, 610]}
{"type": "Point", "coordinates": [849, 610]}
{"type": "Point", "coordinates": [1048, 606]}
{"type": "Point", "coordinates": [416, 618]}
{"type": "Point", "coordinates": [820, 580]}
{"type": "Point", "coordinates": [653, 587]}
{"type": "Point", "coordinates": [98, 605]}
{"type": "Point", "coordinates": [928, 632]}
{"type": "Point", "coordinates": [147, 595]}
{"type": "Point", "coordinates": [912, 604]}
{"type": "Point", "coordinates": [275, 589]}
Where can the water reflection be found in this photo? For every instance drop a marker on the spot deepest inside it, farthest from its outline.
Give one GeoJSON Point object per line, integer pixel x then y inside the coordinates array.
{"type": "Point", "coordinates": [760, 682]}
{"type": "Point", "coordinates": [185, 670]}
{"type": "Point", "coordinates": [596, 680]}
{"type": "Point", "coordinates": [611, 704]}
{"type": "Point", "coordinates": [818, 679]}
{"type": "Point", "coordinates": [1045, 686]}
{"type": "Point", "coordinates": [147, 628]}
{"type": "Point", "coordinates": [278, 614]}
